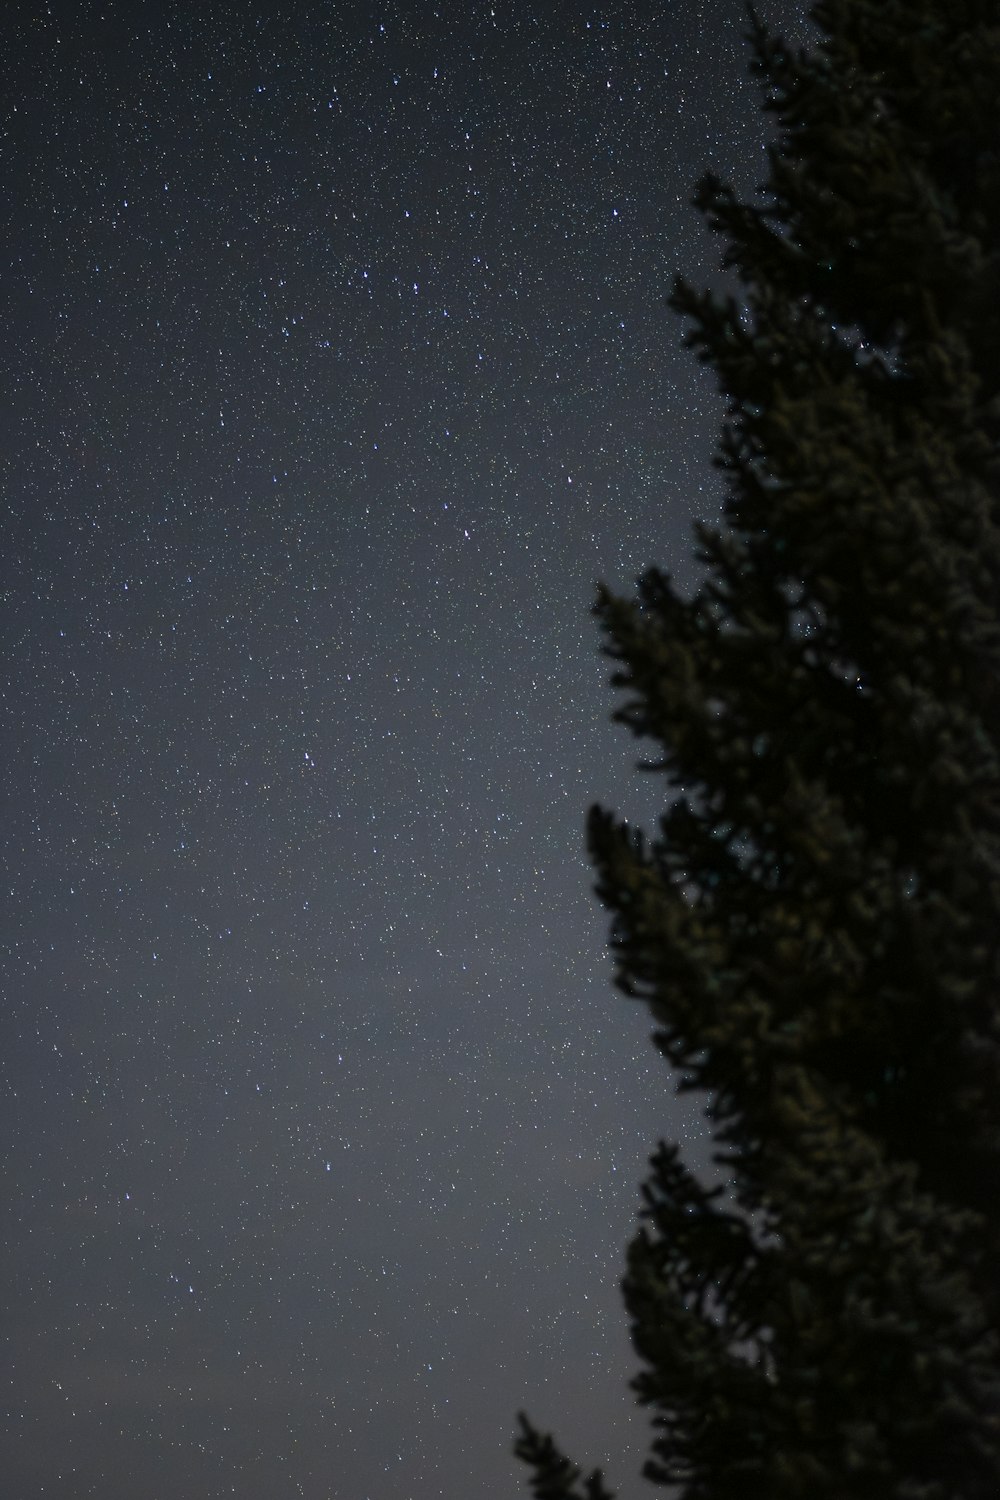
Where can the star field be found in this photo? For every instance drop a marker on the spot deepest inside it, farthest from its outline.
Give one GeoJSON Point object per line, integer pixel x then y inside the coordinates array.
{"type": "Point", "coordinates": [336, 372]}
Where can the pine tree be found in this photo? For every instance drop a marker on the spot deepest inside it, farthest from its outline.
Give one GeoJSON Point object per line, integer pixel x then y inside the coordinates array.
{"type": "Point", "coordinates": [815, 924]}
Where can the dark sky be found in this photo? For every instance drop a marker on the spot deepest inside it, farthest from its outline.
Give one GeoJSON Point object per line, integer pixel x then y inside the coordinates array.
{"type": "Point", "coordinates": [335, 372]}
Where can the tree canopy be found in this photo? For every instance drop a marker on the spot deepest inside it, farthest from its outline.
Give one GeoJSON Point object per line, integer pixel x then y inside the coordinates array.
{"type": "Point", "coordinates": [814, 923]}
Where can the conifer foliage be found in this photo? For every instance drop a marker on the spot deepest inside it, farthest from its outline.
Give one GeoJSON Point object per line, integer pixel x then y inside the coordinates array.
{"type": "Point", "coordinates": [815, 923]}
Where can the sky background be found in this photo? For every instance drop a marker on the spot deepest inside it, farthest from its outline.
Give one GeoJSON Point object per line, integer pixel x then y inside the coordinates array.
{"type": "Point", "coordinates": [336, 371]}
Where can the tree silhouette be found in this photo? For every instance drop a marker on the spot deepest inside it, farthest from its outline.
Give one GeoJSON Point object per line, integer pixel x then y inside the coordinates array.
{"type": "Point", "coordinates": [814, 925]}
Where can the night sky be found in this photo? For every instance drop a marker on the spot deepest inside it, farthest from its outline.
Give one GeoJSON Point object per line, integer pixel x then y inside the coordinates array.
{"type": "Point", "coordinates": [336, 371]}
